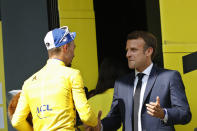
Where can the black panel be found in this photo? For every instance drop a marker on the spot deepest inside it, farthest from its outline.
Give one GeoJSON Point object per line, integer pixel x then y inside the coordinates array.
{"type": "Point", "coordinates": [0, 9]}
{"type": "Point", "coordinates": [154, 26]}
{"type": "Point", "coordinates": [24, 25]}
{"type": "Point", "coordinates": [53, 14]}
{"type": "Point", "coordinates": [190, 62]}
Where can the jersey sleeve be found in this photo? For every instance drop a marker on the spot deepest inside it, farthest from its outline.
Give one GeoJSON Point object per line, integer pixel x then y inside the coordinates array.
{"type": "Point", "coordinates": [85, 112]}
{"type": "Point", "coordinates": [22, 110]}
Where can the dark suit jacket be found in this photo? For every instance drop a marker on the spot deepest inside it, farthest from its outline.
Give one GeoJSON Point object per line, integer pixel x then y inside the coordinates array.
{"type": "Point", "coordinates": [167, 84]}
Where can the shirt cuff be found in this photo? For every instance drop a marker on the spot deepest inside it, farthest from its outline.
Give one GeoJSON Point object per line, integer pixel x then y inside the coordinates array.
{"type": "Point", "coordinates": [101, 127]}
{"type": "Point", "coordinates": [165, 119]}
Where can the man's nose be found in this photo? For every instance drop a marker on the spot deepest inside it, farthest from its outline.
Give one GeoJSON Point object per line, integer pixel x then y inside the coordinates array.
{"type": "Point", "coordinates": [128, 54]}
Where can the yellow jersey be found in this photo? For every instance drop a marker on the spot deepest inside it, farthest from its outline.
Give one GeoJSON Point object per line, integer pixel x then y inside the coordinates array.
{"type": "Point", "coordinates": [53, 95]}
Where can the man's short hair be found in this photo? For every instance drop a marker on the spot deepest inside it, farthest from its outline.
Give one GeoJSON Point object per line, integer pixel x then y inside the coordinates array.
{"type": "Point", "coordinates": [149, 39]}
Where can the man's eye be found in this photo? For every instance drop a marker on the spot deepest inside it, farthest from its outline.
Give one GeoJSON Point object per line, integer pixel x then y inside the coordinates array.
{"type": "Point", "coordinates": [133, 50]}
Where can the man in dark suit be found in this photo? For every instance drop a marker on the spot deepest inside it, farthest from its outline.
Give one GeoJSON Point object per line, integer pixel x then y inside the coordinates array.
{"type": "Point", "coordinates": [149, 98]}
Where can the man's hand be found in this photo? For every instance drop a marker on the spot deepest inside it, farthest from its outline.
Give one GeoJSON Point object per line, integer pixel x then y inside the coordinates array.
{"type": "Point", "coordinates": [96, 128]}
{"type": "Point", "coordinates": [154, 109]}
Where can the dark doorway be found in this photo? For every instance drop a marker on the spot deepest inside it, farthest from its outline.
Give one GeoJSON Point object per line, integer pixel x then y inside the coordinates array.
{"type": "Point", "coordinates": [115, 19]}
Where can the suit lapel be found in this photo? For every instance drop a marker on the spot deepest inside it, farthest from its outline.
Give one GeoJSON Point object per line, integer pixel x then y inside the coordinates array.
{"type": "Point", "coordinates": [131, 79]}
{"type": "Point", "coordinates": [150, 83]}
{"type": "Point", "coordinates": [130, 97]}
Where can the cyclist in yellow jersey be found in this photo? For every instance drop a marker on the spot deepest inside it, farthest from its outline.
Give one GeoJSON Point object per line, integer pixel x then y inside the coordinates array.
{"type": "Point", "coordinates": [54, 93]}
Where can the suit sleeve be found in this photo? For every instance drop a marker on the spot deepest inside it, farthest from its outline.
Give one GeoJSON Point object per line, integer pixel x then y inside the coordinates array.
{"type": "Point", "coordinates": [86, 114]}
{"type": "Point", "coordinates": [113, 120]}
{"type": "Point", "coordinates": [179, 113]}
{"type": "Point", "coordinates": [22, 110]}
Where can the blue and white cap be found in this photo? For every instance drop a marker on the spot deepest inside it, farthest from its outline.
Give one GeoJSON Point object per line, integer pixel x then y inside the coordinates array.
{"type": "Point", "coordinates": [58, 37]}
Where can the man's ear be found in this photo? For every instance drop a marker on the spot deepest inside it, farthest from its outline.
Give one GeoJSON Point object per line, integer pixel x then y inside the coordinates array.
{"type": "Point", "coordinates": [65, 47]}
{"type": "Point", "coordinates": [149, 51]}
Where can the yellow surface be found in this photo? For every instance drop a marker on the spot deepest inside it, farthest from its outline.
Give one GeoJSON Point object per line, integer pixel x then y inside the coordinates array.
{"type": "Point", "coordinates": [102, 102]}
{"type": "Point", "coordinates": [79, 16]}
{"type": "Point", "coordinates": [179, 29]}
{"type": "Point", "coordinates": [173, 47]}
{"type": "Point", "coordinates": [178, 20]}
{"type": "Point", "coordinates": [2, 80]}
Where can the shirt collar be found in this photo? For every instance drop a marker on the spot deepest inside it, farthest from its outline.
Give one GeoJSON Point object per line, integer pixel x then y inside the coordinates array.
{"type": "Point", "coordinates": [146, 71]}
{"type": "Point", "coordinates": [55, 61]}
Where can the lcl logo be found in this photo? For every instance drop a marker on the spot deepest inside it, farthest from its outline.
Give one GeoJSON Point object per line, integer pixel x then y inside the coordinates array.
{"type": "Point", "coordinates": [41, 111]}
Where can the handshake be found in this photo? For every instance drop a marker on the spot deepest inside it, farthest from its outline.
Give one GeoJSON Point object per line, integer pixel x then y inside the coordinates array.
{"type": "Point", "coordinates": [97, 127]}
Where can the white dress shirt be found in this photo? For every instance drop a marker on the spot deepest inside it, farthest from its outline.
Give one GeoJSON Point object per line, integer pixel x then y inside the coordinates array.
{"type": "Point", "coordinates": [143, 87]}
